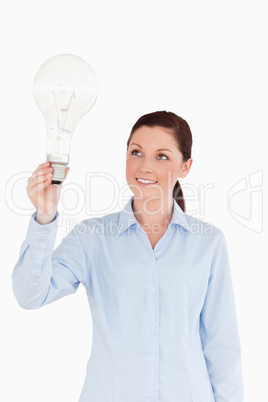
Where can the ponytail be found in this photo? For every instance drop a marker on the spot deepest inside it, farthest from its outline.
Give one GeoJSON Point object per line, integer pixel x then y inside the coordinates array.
{"type": "Point", "coordinates": [178, 195]}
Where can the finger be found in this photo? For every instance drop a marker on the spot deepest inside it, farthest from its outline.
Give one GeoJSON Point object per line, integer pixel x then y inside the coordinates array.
{"type": "Point", "coordinates": [40, 172]}
{"type": "Point", "coordinates": [42, 165]}
{"type": "Point", "coordinates": [42, 185]}
{"type": "Point", "coordinates": [34, 181]}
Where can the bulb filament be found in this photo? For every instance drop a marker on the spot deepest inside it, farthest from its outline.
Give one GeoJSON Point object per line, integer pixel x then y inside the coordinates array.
{"type": "Point", "coordinates": [64, 97]}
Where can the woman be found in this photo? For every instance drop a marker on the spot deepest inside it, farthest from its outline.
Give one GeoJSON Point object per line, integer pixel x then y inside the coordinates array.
{"type": "Point", "coordinates": [158, 280]}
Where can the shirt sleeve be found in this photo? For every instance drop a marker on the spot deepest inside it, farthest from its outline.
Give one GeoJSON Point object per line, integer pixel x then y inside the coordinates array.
{"type": "Point", "coordinates": [219, 330]}
{"type": "Point", "coordinates": [42, 275]}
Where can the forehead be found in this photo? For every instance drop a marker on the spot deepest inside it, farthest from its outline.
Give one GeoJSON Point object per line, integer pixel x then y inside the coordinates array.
{"type": "Point", "coordinates": [156, 137]}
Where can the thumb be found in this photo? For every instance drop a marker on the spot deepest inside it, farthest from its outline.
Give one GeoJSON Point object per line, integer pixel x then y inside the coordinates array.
{"type": "Point", "coordinates": [66, 172]}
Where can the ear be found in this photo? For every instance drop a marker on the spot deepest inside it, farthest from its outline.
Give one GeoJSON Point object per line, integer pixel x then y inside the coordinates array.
{"type": "Point", "coordinates": [186, 168]}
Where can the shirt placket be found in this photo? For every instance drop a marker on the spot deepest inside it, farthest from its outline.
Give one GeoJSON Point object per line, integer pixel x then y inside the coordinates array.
{"type": "Point", "coordinates": [153, 330]}
{"type": "Point", "coordinates": [153, 333]}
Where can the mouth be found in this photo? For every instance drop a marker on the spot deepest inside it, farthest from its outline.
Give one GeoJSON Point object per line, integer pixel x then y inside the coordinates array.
{"type": "Point", "coordinates": [145, 182]}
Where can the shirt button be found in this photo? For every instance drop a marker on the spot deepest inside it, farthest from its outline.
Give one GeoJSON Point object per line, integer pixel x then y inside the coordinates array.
{"type": "Point", "coordinates": [153, 331]}
{"type": "Point", "coordinates": [152, 359]}
{"type": "Point", "coordinates": [152, 371]}
{"type": "Point", "coordinates": [152, 278]}
{"type": "Point", "coordinates": [153, 319]}
{"type": "Point", "coordinates": [153, 290]}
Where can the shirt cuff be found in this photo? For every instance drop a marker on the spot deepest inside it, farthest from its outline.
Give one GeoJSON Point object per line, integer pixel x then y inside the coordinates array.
{"type": "Point", "coordinates": [36, 231]}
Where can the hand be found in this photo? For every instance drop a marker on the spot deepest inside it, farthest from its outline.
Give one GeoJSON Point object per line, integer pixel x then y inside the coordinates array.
{"type": "Point", "coordinates": [43, 194]}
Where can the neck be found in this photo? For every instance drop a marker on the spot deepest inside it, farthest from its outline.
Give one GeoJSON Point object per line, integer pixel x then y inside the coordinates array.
{"type": "Point", "coordinates": [153, 211]}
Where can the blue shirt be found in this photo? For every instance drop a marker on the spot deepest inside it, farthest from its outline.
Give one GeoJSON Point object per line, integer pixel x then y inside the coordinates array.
{"type": "Point", "coordinates": [164, 319]}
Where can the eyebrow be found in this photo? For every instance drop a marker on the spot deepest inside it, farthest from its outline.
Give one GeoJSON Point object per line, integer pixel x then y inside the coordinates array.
{"type": "Point", "coordinates": [161, 149]}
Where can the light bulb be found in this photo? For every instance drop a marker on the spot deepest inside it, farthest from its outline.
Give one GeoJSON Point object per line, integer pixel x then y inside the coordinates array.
{"type": "Point", "coordinates": [65, 88]}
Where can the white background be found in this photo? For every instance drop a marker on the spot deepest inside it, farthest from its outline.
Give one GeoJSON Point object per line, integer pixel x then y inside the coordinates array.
{"type": "Point", "coordinates": [204, 60]}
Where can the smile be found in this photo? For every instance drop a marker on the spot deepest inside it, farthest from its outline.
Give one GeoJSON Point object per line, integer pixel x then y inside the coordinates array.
{"type": "Point", "coordinates": [146, 182]}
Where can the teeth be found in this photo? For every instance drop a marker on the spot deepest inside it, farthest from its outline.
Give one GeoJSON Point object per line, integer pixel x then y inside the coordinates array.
{"type": "Point", "coordinates": [146, 181]}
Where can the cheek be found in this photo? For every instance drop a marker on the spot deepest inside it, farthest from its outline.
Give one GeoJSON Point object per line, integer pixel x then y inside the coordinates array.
{"type": "Point", "coordinates": [129, 167]}
{"type": "Point", "coordinates": [169, 174]}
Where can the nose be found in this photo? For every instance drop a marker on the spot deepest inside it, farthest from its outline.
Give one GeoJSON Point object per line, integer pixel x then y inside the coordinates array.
{"type": "Point", "coordinates": [145, 166]}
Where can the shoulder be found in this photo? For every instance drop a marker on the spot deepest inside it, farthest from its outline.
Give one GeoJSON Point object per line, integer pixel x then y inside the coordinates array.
{"type": "Point", "coordinates": [201, 228]}
{"type": "Point", "coordinates": [208, 239]}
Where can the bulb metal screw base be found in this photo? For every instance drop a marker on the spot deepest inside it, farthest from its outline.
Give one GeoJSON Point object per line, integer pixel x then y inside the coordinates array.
{"type": "Point", "coordinates": [58, 173]}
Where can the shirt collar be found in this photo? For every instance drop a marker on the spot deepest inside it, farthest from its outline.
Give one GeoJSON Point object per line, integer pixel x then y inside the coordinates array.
{"type": "Point", "coordinates": [127, 217]}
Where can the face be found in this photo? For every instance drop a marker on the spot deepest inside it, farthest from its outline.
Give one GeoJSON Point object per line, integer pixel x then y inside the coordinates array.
{"type": "Point", "coordinates": [153, 155]}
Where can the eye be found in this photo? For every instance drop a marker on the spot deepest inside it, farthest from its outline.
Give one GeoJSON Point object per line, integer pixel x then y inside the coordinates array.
{"type": "Point", "coordinates": [135, 152]}
{"type": "Point", "coordinates": [163, 156]}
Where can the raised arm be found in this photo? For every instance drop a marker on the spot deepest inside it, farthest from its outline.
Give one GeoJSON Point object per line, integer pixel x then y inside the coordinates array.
{"type": "Point", "coordinates": [41, 275]}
